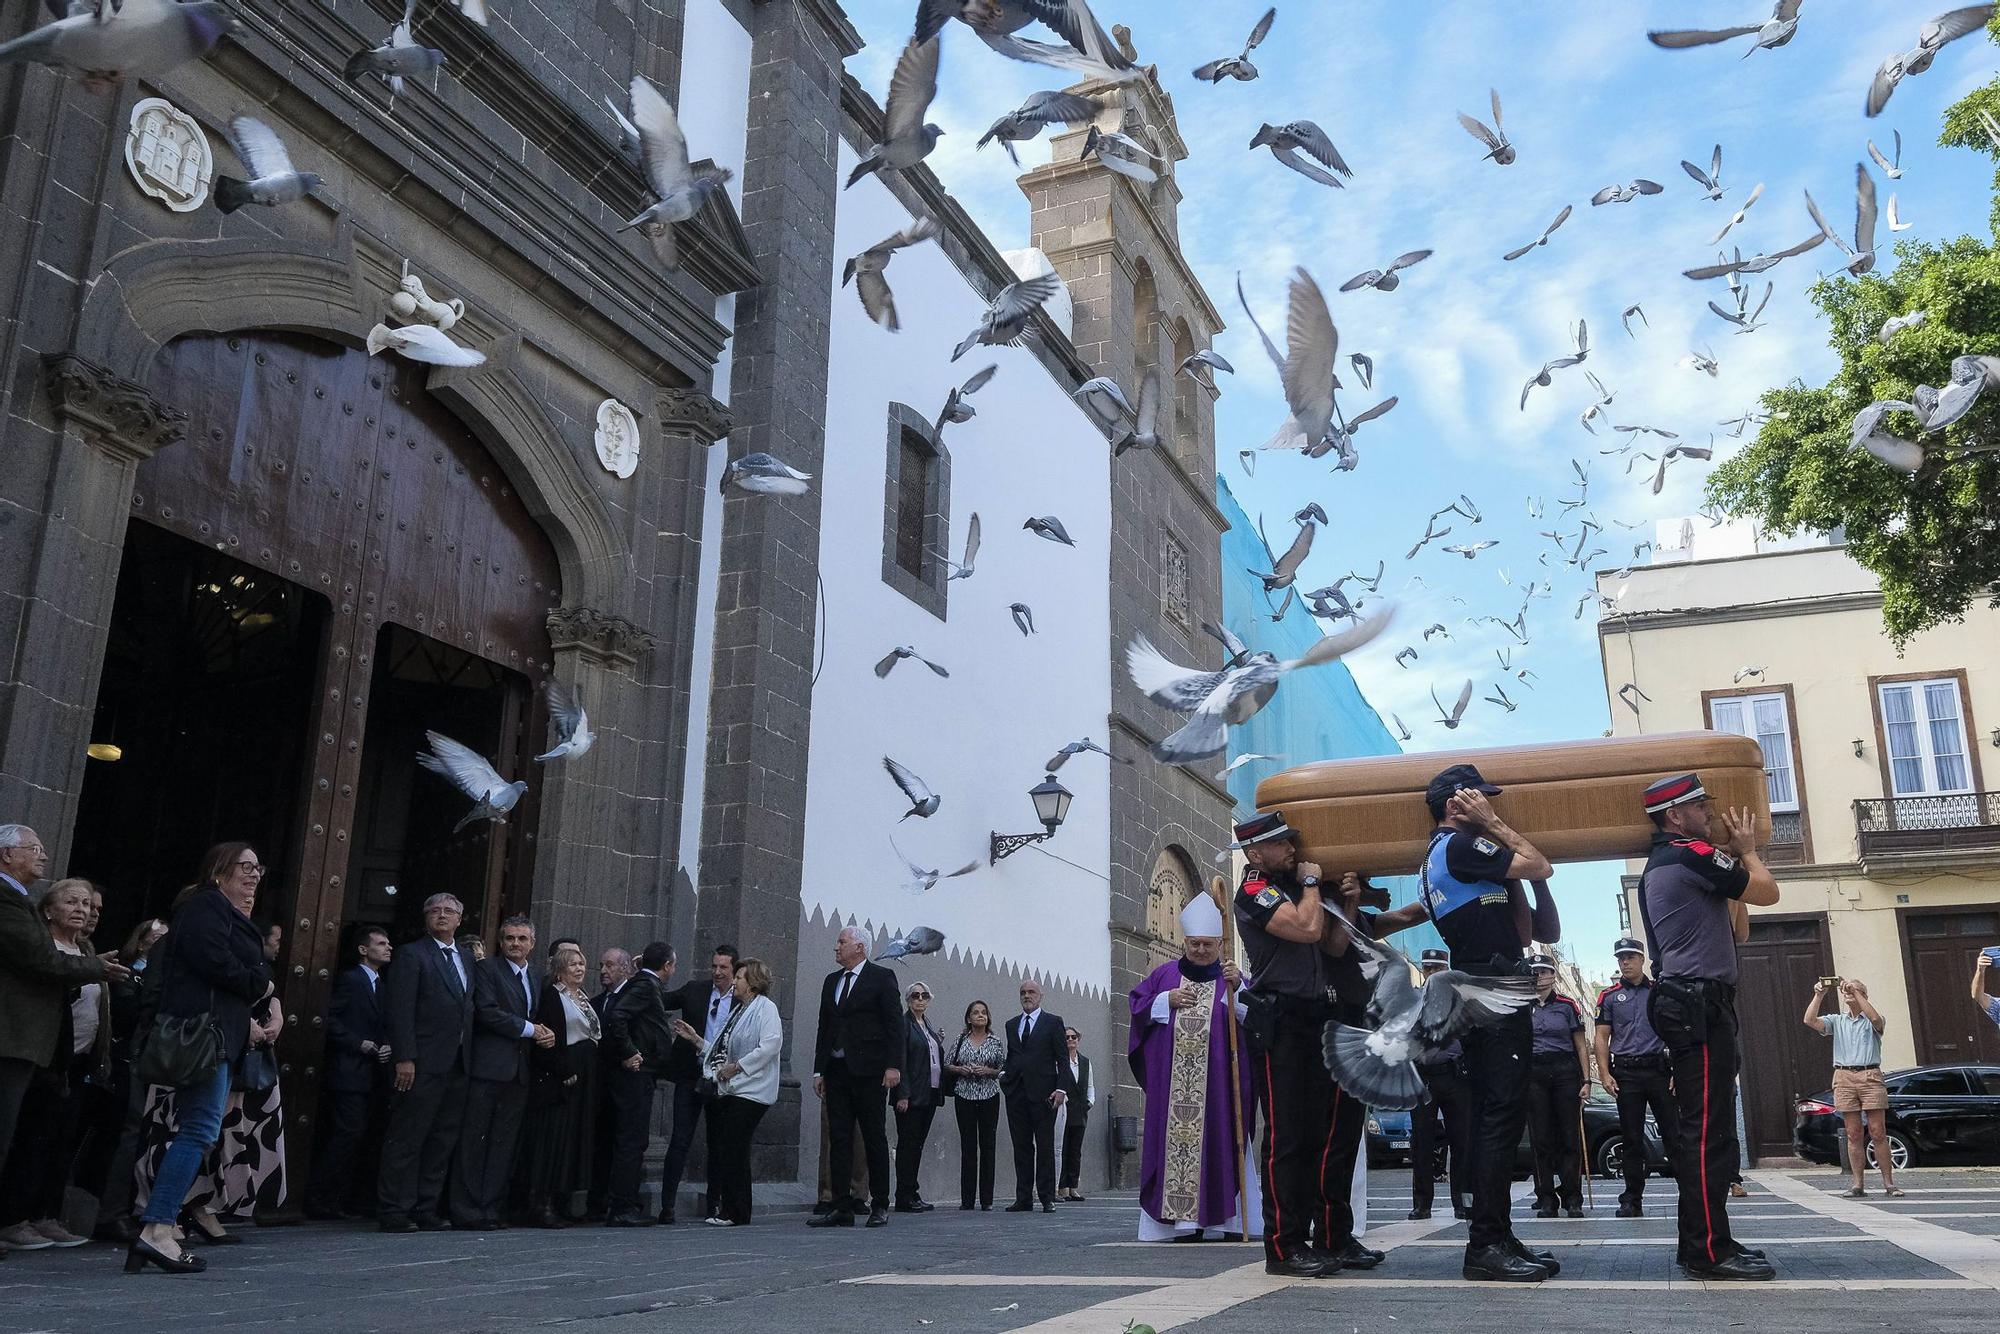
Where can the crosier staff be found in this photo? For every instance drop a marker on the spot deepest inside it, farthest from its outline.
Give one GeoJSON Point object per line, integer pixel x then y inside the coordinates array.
{"type": "Point", "coordinates": [1218, 889]}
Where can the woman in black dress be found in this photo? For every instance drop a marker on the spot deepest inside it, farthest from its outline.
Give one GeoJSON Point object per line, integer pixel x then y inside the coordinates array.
{"type": "Point", "coordinates": [562, 1107]}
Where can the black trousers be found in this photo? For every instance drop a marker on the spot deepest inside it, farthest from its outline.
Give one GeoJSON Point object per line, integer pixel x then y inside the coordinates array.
{"type": "Point", "coordinates": [1451, 1099]}
{"type": "Point", "coordinates": [494, 1110]}
{"type": "Point", "coordinates": [1346, 1116]}
{"type": "Point", "coordinates": [855, 1101]}
{"type": "Point", "coordinates": [631, 1097]}
{"type": "Point", "coordinates": [604, 1131]}
{"type": "Point", "coordinates": [15, 1073]}
{"type": "Point", "coordinates": [343, 1126]}
{"type": "Point", "coordinates": [912, 1129]}
{"type": "Point", "coordinates": [1555, 1087]}
{"type": "Point", "coordinates": [689, 1104]}
{"type": "Point", "coordinates": [37, 1171]}
{"type": "Point", "coordinates": [978, 1127]}
{"type": "Point", "coordinates": [1072, 1148]}
{"type": "Point", "coordinates": [1640, 1088]}
{"type": "Point", "coordinates": [1706, 1149]}
{"type": "Point", "coordinates": [732, 1124]}
{"type": "Point", "coordinates": [1031, 1129]}
{"type": "Point", "coordinates": [1297, 1095]}
{"type": "Point", "coordinates": [1496, 1066]}
{"type": "Point", "coordinates": [417, 1148]}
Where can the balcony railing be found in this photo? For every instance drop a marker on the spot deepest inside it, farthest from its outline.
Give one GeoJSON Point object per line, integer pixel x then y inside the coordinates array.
{"type": "Point", "coordinates": [1956, 823]}
{"type": "Point", "coordinates": [1788, 839]}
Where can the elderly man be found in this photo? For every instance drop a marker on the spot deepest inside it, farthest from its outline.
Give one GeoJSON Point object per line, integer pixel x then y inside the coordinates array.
{"type": "Point", "coordinates": [1859, 1094]}
{"type": "Point", "coordinates": [505, 992]}
{"type": "Point", "coordinates": [856, 1061]}
{"type": "Point", "coordinates": [639, 1043]}
{"type": "Point", "coordinates": [1197, 1164]}
{"type": "Point", "coordinates": [427, 1016]}
{"type": "Point", "coordinates": [35, 976]}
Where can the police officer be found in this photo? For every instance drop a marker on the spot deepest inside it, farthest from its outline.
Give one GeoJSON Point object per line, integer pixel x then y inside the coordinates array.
{"type": "Point", "coordinates": [1558, 1081]}
{"type": "Point", "coordinates": [1472, 891]}
{"type": "Point", "coordinates": [1633, 1063]}
{"type": "Point", "coordinates": [1702, 870]}
{"type": "Point", "coordinates": [1287, 936]}
{"type": "Point", "coordinates": [1443, 1072]}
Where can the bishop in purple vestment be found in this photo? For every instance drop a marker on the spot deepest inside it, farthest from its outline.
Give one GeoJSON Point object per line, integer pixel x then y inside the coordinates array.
{"type": "Point", "coordinates": [1191, 1167]}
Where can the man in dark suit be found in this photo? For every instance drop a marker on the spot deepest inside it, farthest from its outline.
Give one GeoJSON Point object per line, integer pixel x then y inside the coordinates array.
{"type": "Point", "coordinates": [357, 1059]}
{"type": "Point", "coordinates": [504, 992]}
{"type": "Point", "coordinates": [706, 1004]}
{"type": "Point", "coordinates": [1035, 1081]}
{"type": "Point", "coordinates": [614, 970]}
{"type": "Point", "coordinates": [427, 1014]}
{"type": "Point", "coordinates": [856, 1061]}
{"type": "Point", "coordinates": [639, 1042]}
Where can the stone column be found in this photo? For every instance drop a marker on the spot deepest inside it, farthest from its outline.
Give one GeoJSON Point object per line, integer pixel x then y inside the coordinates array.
{"type": "Point", "coordinates": [760, 700]}
{"type": "Point", "coordinates": [59, 574]}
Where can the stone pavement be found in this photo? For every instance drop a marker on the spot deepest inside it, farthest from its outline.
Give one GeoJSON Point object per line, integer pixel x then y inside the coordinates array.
{"type": "Point", "coordinates": [1927, 1262]}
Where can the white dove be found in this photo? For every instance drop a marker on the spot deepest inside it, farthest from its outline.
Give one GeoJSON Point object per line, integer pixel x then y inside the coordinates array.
{"type": "Point", "coordinates": [492, 795]}
{"type": "Point", "coordinates": [572, 725]}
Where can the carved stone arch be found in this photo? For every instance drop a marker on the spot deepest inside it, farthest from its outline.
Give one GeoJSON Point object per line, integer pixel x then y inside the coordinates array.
{"type": "Point", "coordinates": [145, 300]}
{"type": "Point", "coordinates": [1173, 882]}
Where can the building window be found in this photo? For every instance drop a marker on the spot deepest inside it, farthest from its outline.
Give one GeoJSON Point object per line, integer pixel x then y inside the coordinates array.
{"type": "Point", "coordinates": [1765, 716]}
{"type": "Point", "coordinates": [1175, 601]}
{"type": "Point", "coordinates": [916, 519]}
{"type": "Point", "coordinates": [1923, 736]}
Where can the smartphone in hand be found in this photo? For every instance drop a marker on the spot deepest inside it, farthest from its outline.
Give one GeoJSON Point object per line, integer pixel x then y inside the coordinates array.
{"type": "Point", "coordinates": [1992, 953]}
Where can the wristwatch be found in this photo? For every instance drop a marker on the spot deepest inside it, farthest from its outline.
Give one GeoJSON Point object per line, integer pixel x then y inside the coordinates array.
{"type": "Point", "coordinates": [1308, 881]}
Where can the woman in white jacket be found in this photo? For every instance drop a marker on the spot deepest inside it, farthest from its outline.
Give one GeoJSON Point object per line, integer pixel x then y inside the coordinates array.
{"type": "Point", "coordinates": [740, 1073]}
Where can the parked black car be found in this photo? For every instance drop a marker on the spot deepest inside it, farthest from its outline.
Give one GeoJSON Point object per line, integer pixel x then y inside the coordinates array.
{"type": "Point", "coordinates": [1937, 1114]}
{"type": "Point", "coordinates": [1389, 1142]}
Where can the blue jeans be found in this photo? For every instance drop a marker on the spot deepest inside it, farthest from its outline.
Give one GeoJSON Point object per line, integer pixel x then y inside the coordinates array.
{"type": "Point", "coordinates": [197, 1124]}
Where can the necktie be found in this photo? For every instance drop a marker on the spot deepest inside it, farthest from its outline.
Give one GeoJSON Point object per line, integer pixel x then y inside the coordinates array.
{"type": "Point", "coordinates": [1027, 1026]}
{"type": "Point", "coordinates": [846, 985]}
{"type": "Point", "coordinates": [527, 990]}
{"type": "Point", "coordinates": [451, 953]}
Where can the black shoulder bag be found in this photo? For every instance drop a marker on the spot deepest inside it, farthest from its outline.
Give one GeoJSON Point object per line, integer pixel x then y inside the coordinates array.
{"type": "Point", "coordinates": [180, 1050]}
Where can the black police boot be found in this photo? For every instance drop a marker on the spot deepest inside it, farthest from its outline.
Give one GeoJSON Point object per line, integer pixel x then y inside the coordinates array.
{"type": "Point", "coordinates": [1417, 1214]}
{"type": "Point", "coordinates": [1630, 1211]}
{"type": "Point", "coordinates": [1496, 1264]}
{"type": "Point", "coordinates": [1356, 1256]}
{"type": "Point", "coordinates": [1546, 1259]}
{"type": "Point", "coordinates": [1745, 1268]}
{"type": "Point", "coordinates": [1298, 1266]}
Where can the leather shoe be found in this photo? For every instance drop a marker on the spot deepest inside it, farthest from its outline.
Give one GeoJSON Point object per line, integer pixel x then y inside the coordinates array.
{"type": "Point", "coordinates": [878, 1217]}
{"type": "Point", "coordinates": [822, 1208]}
{"type": "Point", "coordinates": [1418, 1214]}
{"type": "Point", "coordinates": [838, 1218]}
{"type": "Point", "coordinates": [1020, 1207]}
{"type": "Point", "coordinates": [925, 1206]}
{"type": "Point", "coordinates": [387, 1223]}
{"type": "Point", "coordinates": [1545, 1211]}
{"type": "Point", "coordinates": [1048, 1206]}
{"type": "Point", "coordinates": [1299, 1266]}
{"type": "Point", "coordinates": [1744, 1268]}
{"type": "Point", "coordinates": [630, 1218]}
{"type": "Point", "coordinates": [1630, 1211]}
{"type": "Point", "coordinates": [666, 1218]}
{"type": "Point", "coordinates": [546, 1218]}
{"type": "Point", "coordinates": [429, 1222]}
{"type": "Point", "coordinates": [1496, 1264]}
{"type": "Point", "coordinates": [1546, 1259]}
{"type": "Point", "coordinates": [1752, 1250]}
{"type": "Point", "coordinates": [1575, 1211]}
{"type": "Point", "coordinates": [908, 1209]}
{"type": "Point", "coordinates": [1356, 1256]}
{"type": "Point", "coordinates": [1461, 1213]}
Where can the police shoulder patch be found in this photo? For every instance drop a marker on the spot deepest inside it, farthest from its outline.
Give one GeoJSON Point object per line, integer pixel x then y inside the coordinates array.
{"type": "Point", "coordinates": [1485, 847]}
{"type": "Point", "coordinates": [1723, 861]}
{"type": "Point", "coordinates": [1268, 896]}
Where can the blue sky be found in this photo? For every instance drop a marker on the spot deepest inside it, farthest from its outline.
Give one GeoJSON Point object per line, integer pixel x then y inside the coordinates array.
{"type": "Point", "coordinates": [1589, 102]}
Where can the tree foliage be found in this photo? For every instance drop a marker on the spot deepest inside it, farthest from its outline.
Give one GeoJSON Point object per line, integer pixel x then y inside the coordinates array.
{"type": "Point", "coordinates": [1932, 538]}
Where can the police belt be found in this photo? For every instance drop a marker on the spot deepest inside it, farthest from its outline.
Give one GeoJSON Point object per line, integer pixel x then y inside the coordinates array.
{"type": "Point", "coordinates": [1569, 1056]}
{"type": "Point", "coordinates": [1305, 1009]}
{"type": "Point", "coordinates": [1652, 1060]}
{"type": "Point", "coordinates": [1707, 987]}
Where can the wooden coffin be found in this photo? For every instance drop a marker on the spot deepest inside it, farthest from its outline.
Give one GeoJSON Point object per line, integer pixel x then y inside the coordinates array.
{"type": "Point", "coordinates": [1575, 800]}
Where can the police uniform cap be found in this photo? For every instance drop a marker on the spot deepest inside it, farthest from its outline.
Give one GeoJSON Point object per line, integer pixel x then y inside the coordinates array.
{"type": "Point", "coordinates": [1666, 793]}
{"type": "Point", "coordinates": [1435, 958]}
{"type": "Point", "coordinates": [1540, 960]}
{"type": "Point", "coordinates": [1451, 780]}
{"type": "Point", "coordinates": [1627, 945]}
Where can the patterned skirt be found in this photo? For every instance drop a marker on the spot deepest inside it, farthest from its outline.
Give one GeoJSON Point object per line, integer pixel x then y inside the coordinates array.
{"type": "Point", "coordinates": [243, 1173]}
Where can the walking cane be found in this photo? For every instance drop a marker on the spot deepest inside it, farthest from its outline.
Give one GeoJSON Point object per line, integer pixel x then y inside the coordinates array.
{"type": "Point", "coordinates": [1218, 888]}
{"type": "Point", "coordinates": [1585, 1167]}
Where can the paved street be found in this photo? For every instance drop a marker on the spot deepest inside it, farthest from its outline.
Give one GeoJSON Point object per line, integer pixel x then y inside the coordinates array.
{"type": "Point", "coordinates": [1929, 1261]}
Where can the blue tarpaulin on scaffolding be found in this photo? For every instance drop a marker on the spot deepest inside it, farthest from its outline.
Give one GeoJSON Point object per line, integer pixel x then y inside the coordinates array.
{"type": "Point", "coordinates": [1318, 713]}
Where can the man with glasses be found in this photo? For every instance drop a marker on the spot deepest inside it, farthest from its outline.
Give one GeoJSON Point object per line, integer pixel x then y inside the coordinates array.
{"type": "Point", "coordinates": [427, 1014]}
{"type": "Point", "coordinates": [1035, 1081]}
{"type": "Point", "coordinates": [706, 1004]}
{"type": "Point", "coordinates": [35, 977]}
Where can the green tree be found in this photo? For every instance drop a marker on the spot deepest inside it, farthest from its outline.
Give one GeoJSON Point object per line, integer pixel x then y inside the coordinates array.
{"type": "Point", "coordinates": [1932, 538]}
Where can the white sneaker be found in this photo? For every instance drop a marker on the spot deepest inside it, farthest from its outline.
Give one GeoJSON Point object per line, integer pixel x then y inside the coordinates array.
{"type": "Point", "coordinates": [23, 1237]}
{"type": "Point", "coordinates": [57, 1234]}
{"type": "Point", "coordinates": [719, 1222]}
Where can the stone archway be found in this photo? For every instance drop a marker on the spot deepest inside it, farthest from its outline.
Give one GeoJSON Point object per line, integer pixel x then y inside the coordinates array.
{"type": "Point", "coordinates": [1172, 884]}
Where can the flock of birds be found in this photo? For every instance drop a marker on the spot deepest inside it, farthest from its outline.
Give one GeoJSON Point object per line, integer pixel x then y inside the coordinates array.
{"type": "Point", "coordinates": [107, 41]}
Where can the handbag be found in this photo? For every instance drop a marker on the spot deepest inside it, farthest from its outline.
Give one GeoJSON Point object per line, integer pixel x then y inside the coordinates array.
{"type": "Point", "coordinates": [180, 1049]}
{"type": "Point", "coordinates": [255, 1071]}
{"type": "Point", "coordinates": [717, 1056]}
{"type": "Point", "coordinates": [947, 1077]}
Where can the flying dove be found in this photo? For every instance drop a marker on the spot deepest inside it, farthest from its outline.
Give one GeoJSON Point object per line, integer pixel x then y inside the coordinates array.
{"type": "Point", "coordinates": [1061, 757]}
{"type": "Point", "coordinates": [1931, 39]}
{"type": "Point", "coordinates": [492, 795]}
{"type": "Point", "coordinates": [1286, 140]}
{"type": "Point", "coordinates": [920, 939]}
{"type": "Point", "coordinates": [1050, 527]}
{"type": "Point", "coordinates": [273, 178]}
{"type": "Point", "coordinates": [1498, 147]}
{"type": "Point", "coordinates": [1238, 67]}
{"type": "Point", "coordinates": [900, 652]}
{"type": "Point", "coordinates": [922, 881]}
{"type": "Point", "coordinates": [763, 474]}
{"type": "Point", "coordinates": [1771, 33]}
{"type": "Point", "coordinates": [1032, 116]}
{"type": "Point", "coordinates": [923, 802]}
{"type": "Point", "coordinates": [1006, 316]}
{"type": "Point", "coordinates": [907, 138]}
{"type": "Point", "coordinates": [870, 266]}
{"type": "Point", "coordinates": [1024, 618]}
{"type": "Point", "coordinates": [572, 725]}
{"type": "Point", "coordinates": [679, 190]}
{"type": "Point", "coordinates": [424, 343]}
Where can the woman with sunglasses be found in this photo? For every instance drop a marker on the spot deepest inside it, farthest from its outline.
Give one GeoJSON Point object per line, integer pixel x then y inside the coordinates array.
{"type": "Point", "coordinates": [917, 1097]}
{"type": "Point", "coordinates": [1073, 1116]}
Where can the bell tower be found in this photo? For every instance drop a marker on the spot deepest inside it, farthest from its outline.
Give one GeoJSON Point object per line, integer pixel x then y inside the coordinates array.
{"type": "Point", "coordinates": [1139, 307]}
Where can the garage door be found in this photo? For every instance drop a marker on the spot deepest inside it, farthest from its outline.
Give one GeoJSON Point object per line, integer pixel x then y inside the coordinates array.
{"type": "Point", "coordinates": [1782, 1060]}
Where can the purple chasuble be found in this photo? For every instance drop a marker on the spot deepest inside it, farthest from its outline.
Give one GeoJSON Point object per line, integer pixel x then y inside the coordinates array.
{"type": "Point", "coordinates": [1151, 1055]}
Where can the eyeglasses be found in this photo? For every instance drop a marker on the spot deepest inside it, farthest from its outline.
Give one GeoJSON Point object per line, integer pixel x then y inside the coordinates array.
{"type": "Point", "coordinates": [1072, 1037]}
{"type": "Point", "coordinates": [250, 868]}
{"type": "Point", "coordinates": [920, 995]}
{"type": "Point", "coordinates": [30, 848]}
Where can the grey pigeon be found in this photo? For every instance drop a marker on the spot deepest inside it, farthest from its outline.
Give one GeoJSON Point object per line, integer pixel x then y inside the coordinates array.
{"type": "Point", "coordinates": [1238, 67]}
{"type": "Point", "coordinates": [1024, 617]}
{"type": "Point", "coordinates": [1891, 167]}
{"type": "Point", "coordinates": [1086, 49]}
{"type": "Point", "coordinates": [492, 795]}
{"type": "Point", "coordinates": [763, 474]}
{"type": "Point", "coordinates": [907, 138]}
{"type": "Point", "coordinates": [1061, 757]}
{"type": "Point", "coordinates": [1756, 263]}
{"type": "Point", "coordinates": [1431, 533]}
{"type": "Point", "coordinates": [870, 265]}
{"type": "Point", "coordinates": [1306, 369]}
{"type": "Point", "coordinates": [1386, 280]}
{"type": "Point", "coordinates": [1215, 700]}
{"type": "Point", "coordinates": [1772, 32]}
{"type": "Point", "coordinates": [1543, 239]}
{"type": "Point", "coordinates": [1402, 730]}
{"type": "Point", "coordinates": [572, 725]}
{"type": "Point", "coordinates": [1626, 319]}
{"type": "Point", "coordinates": [1238, 651]}
{"type": "Point", "coordinates": [1286, 140]}
{"type": "Point", "coordinates": [1404, 657]}
{"type": "Point", "coordinates": [1285, 569]}
{"type": "Point", "coordinates": [1120, 153]}
{"type": "Point", "coordinates": [1144, 433]}
{"type": "Point", "coordinates": [1378, 1065]}
{"type": "Point", "coordinates": [956, 410]}
{"type": "Point", "coordinates": [273, 178]}
{"type": "Point", "coordinates": [1364, 367]}
{"type": "Point", "coordinates": [1032, 116]}
{"type": "Point", "coordinates": [1711, 180]}
{"type": "Point", "coordinates": [918, 939]}
{"type": "Point", "coordinates": [1742, 210]}
{"type": "Point", "coordinates": [399, 57]}
{"type": "Point", "coordinates": [1631, 694]}
{"type": "Point", "coordinates": [1208, 357]}
{"type": "Point", "coordinates": [142, 39]}
{"type": "Point", "coordinates": [1931, 39]}
{"type": "Point", "coordinates": [1744, 318]}
{"type": "Point", "coordinates": [1499, 696]}
{"type": "Point", "coordinates": [679, 190]}
{"type": "Point", "coordinates": [1007, 315]}
{"type": "Point", "coordinates": [1471, 549]}
{"type": "Point", "coordinates": [1105, 402]}
{"type": "Point", "coordinates": [1240, 761]}
{"type": "Point", "coordinates": [1860, 255]}
{"type": "Point", "coordinates": [1498, 147]}
{"type": "Point", "coordinates": [1451, 718]}
{"type": "Point", "coordinates": [1744, 673]}
{"type": "Point", "coordinates": [923, 881]}
{"type": "Point", "coordinates": [923, 802]}
{"type": "Point", "coordinates": [962, 569]}
{"type": "Point", "coordinates": [1625, 194]}
{"type": "Point", "coordinates": [1050, 527]}
{"type": "Point", "coordinates": [900, 652]}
